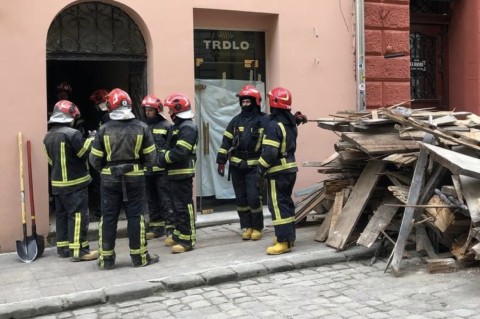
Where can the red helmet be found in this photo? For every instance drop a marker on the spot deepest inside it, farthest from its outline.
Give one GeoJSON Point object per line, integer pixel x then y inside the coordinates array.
{"type": "Point", "coordinates": [64, 112]}
{"type": "Point", "coordinates": [179, 105]}
{"type": "Point", "coordinates": [152, 101]}
{"type": "Point", "coordinates": [117, 98]}
{"type": "Point", "coordinates": [252, 92]}
{"type": "Point", "coordinates": [64, 87]}
{"type": "Point", "coordinates": [99, 96]}
{"type": "Point", "coordinates": [280, 98]}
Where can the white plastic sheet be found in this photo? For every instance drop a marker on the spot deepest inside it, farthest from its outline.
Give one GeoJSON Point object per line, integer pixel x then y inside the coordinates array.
{"type": "Point", "coordinates": [216, 104]}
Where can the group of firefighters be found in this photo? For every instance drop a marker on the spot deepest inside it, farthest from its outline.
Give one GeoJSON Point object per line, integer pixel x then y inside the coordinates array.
{"type": "Point", "coordinates": [152, 165]}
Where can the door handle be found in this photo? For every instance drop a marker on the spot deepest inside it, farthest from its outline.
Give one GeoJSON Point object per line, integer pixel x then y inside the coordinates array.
{"type": "Point", "coordinates": [206, 138]}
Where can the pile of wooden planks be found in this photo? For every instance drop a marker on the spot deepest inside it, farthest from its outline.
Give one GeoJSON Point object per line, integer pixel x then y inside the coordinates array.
{"type": "Point", "coordinates": [400, 175]}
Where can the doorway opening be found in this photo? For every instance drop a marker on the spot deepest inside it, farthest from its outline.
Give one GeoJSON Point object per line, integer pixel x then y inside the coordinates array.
{"type": "Point", "coordinates": [429, 22]}
{"type": "Point", "coordinates": [94, 45]}
{"type": "Point", "coordinates": [225, 61]}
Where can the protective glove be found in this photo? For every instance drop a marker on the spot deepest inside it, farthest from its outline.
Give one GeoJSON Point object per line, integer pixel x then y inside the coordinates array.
{"type": "Point", "coordinates": [260, 180]}
{"type": "Point", "coordinates": [300, 118]}
{"type": "Point", "coordinates": [160, 160]}
{"type": "Point", "coordinates": [221, 169]}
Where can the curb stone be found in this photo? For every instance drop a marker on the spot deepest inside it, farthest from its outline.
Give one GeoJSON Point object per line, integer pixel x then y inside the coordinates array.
{"type": "Point", "coordinates": [218, 276]}
{"type": "Point", "coordinates": [134, 290]}
{"type": "Point", "coordinates": [246, 271]}
{"type": "Point", "coordinates": [142, 289]}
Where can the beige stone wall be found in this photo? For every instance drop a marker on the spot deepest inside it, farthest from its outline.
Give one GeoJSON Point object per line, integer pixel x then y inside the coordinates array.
{"type": "Point", "coordinates": [309, 50]}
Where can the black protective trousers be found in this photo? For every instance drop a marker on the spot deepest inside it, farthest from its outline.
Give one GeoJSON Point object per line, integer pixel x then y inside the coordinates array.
{"type": "Point", "coordinates": [247, 197]}
{"type": "Point", "coordinates": [159, 203]}
{"type": "Point", "coordinates": [112, 202]}
{"type": "Point", "coordinates": [281, 206]}
{"type": "Point", "coordinates": [181, 191]}
{"type": "Point", "coordinates": [72, 220]}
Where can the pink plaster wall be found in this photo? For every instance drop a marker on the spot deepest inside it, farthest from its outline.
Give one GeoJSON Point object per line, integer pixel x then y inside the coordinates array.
{"type": "Point", "coordinates": [309, 50]}
{"type": "Point", "coordinates": [464, 68]}
{"type": "Point", "coordinates": [387, 25]}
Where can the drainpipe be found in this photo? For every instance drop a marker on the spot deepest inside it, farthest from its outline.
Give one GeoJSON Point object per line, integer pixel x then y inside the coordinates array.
{"type": "Point", "coordinates": [360, 53]}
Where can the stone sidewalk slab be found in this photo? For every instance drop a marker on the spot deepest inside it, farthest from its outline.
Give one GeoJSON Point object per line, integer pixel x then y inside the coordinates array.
{"type": "Point", "coordinates": [50, 284]}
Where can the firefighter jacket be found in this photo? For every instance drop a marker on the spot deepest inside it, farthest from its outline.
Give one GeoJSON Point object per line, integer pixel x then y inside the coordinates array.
{"type": "Point", "coordinates": [159, 127]}
{"type": "Point", "coordinates": [67, 154]}
{"type": "Point", "coordinates": [242, 140]}
{"type": "Point", "coordinates": [279, 144]}
{"type": "Point", "coordinates": [179, 155]}
{"type": "Point", "coordinates": [119, 143]}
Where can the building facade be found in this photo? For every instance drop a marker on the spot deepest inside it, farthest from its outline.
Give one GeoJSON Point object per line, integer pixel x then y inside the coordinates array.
{"type": "Point", "coordinates": [189, 46]}
{"type": "Point", "coordinates": [423, 52]}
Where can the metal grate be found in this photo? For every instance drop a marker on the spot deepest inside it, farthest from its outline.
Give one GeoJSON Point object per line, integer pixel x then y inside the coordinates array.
{"type": "Point", "coordinates": [95, 28]}
{"type": "Point", "coordinates": [430, 6]}
{"type": "Point", "coordinates": [422, 66]}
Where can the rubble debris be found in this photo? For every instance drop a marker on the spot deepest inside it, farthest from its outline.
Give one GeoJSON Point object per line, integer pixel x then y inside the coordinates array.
{"type": "Point", "coordinates": [399, 175]}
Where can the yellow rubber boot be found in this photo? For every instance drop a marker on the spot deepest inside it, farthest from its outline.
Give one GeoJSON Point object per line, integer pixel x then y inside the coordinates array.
{"type": "Point", "coordinates": [256, 235]}
{"type": "Point", "coordinates": [178, 249]}
{"type": "Point", "coordinates": [247, 234]}
{"type": "Point", "coordinates": [169, 241]}
{"type": "Point", "coordinates": [274, 241]}
{"type": "Point", "coordinates": [278, 249]}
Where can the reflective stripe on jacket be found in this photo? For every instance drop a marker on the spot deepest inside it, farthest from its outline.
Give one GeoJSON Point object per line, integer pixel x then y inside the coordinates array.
{"type": "Point", "coordinates": [279, 145]}
{"type": "Point", "coordinates": [242, 139]}
{"type": "Point", "coordinates": [180, 155]}
{"type": "Point", "coordinates": [123, 142]}
{"type": "Point", "coordinates": [67, 154]}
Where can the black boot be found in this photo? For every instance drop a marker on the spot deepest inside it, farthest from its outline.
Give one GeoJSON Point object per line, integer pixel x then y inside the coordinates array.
{"type": "Point", "coordinates": [106, 262]}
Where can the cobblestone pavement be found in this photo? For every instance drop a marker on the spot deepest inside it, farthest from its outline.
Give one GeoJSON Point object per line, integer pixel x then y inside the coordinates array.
{"type": "Point", "coordinates": [345, 290]}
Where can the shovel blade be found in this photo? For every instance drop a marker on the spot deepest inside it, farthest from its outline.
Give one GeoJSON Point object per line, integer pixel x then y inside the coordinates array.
{"type": "Point", "coordinates": [27, 249]}
{"type": "Point", "coordinates": [40, 245]}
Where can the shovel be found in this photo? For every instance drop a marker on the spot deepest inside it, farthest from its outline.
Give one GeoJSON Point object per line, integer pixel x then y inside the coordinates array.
{"type": "Point", "coordinates": [38, 238]}
{"type": "Point", "coordinates": [27, 247]}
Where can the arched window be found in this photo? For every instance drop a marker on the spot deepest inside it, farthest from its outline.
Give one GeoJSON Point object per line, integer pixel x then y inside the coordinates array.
{"type": "Point", "coordinates": [95, 29]}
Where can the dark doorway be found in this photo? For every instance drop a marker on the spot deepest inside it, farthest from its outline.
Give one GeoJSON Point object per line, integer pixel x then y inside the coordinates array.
{"type": "Point", "coordinates": [94, 45]}
{"type": "Point", "coordinates": [88, 76]}
{"type": "Point", "coordinates": [429, 53]}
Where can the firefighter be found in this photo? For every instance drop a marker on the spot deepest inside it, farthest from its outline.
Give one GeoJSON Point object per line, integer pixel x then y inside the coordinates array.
{"type": "Point", "coordinates": [99, 100]}
{"type": "Point", "coordinates": [122, 148]}
{"type": "Point", "coordinates": [64, 92]}
{"type": "Point", "coordinates": [277, 164]}
{"type": "Point", "coordinates": [241, 147]}
{"type": "Point", "coordinates": [179, 158]}
{"type": "Point", "coordinates": [67, 154]}
{"type": "Point", "coordinates": [156, 180]}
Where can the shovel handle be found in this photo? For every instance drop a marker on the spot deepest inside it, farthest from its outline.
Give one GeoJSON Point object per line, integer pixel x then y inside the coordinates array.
{"type": "Point", "coordinates": [22, 187]}
{"type": "Point", "coordinates": [30, 181]}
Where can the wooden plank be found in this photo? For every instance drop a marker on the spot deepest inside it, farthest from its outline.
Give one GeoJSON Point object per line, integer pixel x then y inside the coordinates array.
{"type": "Point", "coordinates": [441, 265]}
{"type": "Point", "coordinates": [433, 130]}
{"type": "Point", "coordinates": [470, 187]}
{"type": "Point", "coordinates": [300, 214]}
{"type": "Point", "coordinates": [443, 216]}
{"type": "Point", "coordinates": [322, 233]}
{"type": "Point", "coordinates": [458, 188]}
{"type": "Point", "coordinates": [401, 159]}
{"type": "Point", "coordinates": [337, 209]}
{"type": "Point", "coordinates": [379, 222]}
{"type": "Point", "coordinates": [408, 215]}
{"type": "Point", "coordinates": [308, 190]}
{"type": "Point", "coordinates": [457, 163]}
{"type": "Point", "coordinates": [381, 143]}
{"type": "Point", "coordinates": [355, 205]}
{"type": "Point", "coordinates": [423, 242]}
